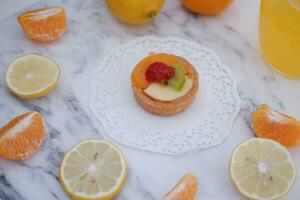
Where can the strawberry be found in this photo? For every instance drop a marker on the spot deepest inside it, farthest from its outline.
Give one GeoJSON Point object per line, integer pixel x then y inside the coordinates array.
{"type": "Point", "coordinates": [159, 72]}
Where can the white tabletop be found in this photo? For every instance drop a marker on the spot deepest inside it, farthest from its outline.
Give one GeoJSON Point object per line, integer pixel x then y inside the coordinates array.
{"type": "Point", "coordinates": [91, 33]}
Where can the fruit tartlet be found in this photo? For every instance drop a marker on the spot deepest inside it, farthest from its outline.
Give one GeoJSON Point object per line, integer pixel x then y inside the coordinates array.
{"type": "Point", "coordinates": [164, 84]}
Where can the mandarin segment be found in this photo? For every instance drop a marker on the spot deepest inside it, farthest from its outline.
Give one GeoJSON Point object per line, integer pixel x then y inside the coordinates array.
{"type": "Point", "coordinates": [185, 189]}
{"type": "Point", "coordinates": [271, 124]}
{"type": "Point", "coordinates": [45, 24]}
{"type": "Point", "coordinates": [22, 136]}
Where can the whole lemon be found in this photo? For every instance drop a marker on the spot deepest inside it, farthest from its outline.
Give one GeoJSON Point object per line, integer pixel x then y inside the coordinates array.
{"type": "Point", "coordinates": [135, 12]}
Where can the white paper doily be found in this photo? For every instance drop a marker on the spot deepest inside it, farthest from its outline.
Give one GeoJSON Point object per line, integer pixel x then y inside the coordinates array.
{"type": "Point", "coordinates": [207, 122]}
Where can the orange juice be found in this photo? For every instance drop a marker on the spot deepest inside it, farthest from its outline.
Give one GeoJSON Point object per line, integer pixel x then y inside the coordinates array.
{"type": "Point", "coordinates": [280, 35]}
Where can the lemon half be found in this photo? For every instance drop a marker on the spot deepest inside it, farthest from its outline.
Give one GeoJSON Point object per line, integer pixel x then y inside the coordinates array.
{"type": "Point", "coordinates": [32, 76]}
{"type": "Point", "coordinates": [262, 169]}
{"type": "Point", "coordinates": [93, 169]}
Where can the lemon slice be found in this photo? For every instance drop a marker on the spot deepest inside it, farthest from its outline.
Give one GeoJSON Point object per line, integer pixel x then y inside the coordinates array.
{"type": "Point", "coordinates": [32, 76]}
{"type": "Point", "coordinates": [262, 169]}
{"type": "Point", "coordinates": [93, 169]}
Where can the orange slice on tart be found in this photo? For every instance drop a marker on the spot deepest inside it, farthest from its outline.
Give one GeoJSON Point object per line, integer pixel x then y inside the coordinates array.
{"type": "Point", "coordinates": [164, 84]}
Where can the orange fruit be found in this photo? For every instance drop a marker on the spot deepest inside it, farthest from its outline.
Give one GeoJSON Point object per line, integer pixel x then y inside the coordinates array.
{"type": "Point", "coordinates": [22, 136]}
{"type": "Point", "coordinates": [206, 7]}
{"type": "Point", "coordinates": [271, 124]}
{"type": "Point", "coordinates": [138, 75]}
{"type": "Point", "coordinates": [45, 24]}
{"type": "Point", "coordinates": [185, 189]}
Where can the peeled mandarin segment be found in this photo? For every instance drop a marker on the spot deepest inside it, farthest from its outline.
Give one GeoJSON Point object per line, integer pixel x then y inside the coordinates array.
{"type": "Point", "coordinates": [44, 25]}
{"type": "Point", "coordinates": [185, 189]}
{"type": "Point", "coordinates": [93, 169]}
{"type": "Point", "coordinates": [22, 136]}
{"type": "Point", "coordinates": [262, 169]}
{"type": "Point", "coordinates": [268, 123]}
{"type": "Point", "coordinates": [138, 75]}
{"type": "Point", "coordinates": [32, 76]}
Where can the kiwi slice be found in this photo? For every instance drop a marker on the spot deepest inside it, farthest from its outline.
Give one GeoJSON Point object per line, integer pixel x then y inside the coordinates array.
{"type": "Point", "coordinates": [177, 82]}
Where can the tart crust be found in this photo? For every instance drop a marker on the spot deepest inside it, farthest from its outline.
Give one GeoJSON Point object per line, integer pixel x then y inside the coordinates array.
{"type": "Point", "coordinates": [167, 108]}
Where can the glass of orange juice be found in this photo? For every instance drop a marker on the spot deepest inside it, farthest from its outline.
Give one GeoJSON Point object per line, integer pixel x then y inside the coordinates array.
{"type": "Point", "coordinates": [280, 35]}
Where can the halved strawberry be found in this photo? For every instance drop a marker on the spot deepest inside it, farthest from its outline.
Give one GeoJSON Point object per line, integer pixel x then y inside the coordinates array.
{"type": "Point", "coordinates": [159, 72]}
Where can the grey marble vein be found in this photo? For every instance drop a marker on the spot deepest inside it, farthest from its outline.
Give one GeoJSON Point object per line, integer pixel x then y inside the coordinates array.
{"type": "Point", "coordinates": [7, 192]}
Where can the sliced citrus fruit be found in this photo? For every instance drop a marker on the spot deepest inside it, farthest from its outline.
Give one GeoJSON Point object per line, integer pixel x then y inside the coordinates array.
{"type": "Point", "coordinates": [262, 169]}
{"type": "Point", "coordinates": [185, 189]}
{"type": "Point", "coordinates": [22, 136]}
{"type": "Point", "coordinates": [32, 76]}
{"type": "Point", "coordinates": [268, 123]}
{"type": "Point", "coordinates": [45, 24]}
{"type": "Point", "coordinates": [93, 169]}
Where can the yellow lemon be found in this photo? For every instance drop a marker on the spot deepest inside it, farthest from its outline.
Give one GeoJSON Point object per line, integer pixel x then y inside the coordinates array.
{"type": "Point", "coordinates": [93, 170]}
{"type": "Point", "coordinates": [262, 169]}
{"type": "Point", "coordinates": [32, 76]}
{"type": "Point", "coordinates": [135, 12]}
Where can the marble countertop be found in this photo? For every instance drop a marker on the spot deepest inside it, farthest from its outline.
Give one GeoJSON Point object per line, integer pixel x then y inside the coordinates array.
{"type": "Point", "coordinates": [91, 33]}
